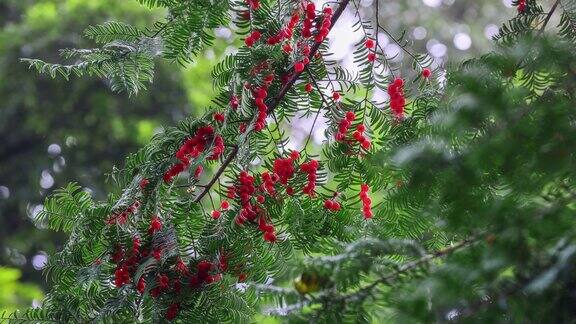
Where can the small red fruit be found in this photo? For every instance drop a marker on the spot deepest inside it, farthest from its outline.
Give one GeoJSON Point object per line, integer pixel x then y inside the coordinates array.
{"type": "Point", "coordinates": [299, 67]}
{"type": "Point", "coordinates": [369, 43]}
{"type": "Point", "coordinates": [426, 73]}
{"type": "Point", "coordinates": [371, 57]}
{"type": "Point", "coordinates": [224, 205]}
{"type": "Point", "coordinates": [219, 117]}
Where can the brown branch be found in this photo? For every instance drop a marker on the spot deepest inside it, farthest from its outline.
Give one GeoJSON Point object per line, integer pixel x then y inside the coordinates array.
{"type": "Point", "coordinates": [549, 15]}
{"type": "Point", "coordinates": [272, 104]}
{"type": "Point", "coordinates": [218, 173]}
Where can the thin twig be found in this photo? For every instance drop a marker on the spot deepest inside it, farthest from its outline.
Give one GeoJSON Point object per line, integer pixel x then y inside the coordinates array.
{"type": "Point", "coordinates": [548, 16]}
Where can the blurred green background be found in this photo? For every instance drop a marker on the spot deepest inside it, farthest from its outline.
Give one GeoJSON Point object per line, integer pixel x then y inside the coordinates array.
{"type": "Point", "coordinates": [53, 132]}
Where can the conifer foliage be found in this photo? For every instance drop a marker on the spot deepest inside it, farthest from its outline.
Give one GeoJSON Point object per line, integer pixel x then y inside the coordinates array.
{"type": "Point", "coordinates": [447, 201]}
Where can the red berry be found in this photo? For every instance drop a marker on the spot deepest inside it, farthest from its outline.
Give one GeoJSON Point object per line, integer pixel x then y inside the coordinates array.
{"type": "Point", "coordinates": [234, 102]}
{"type": "Point", "coordinates": [289, 191]}
{"type": "Point", "coordinates": [269, 78]}
{"type": "Point", "coordinates": [261, 93]}
{"type": "Point", "coordinates": [255, 35]}
{"type": "Point", "coordinates": [157, 253]}
{"type": "Point", "coordinates": [426, 73]}
{"type": "Point", "coordinates": [143, 183]}
{"type": "Point", "coordinates": [308, 87]}
{"type": "Point", "coordinates": [367, 213]}
{"type": "Point", "coordinates": [310, 7]}
{"type": "Point", "coordinates": [336, 206]}
{"type": "Point", "coordinates": [328, 204]}
{"type": "Point", "coordinates": [204, 266]}
{"type": "Point", "coordinates": [172, 311]}
{"type": "Point", "coordinates": [141, 285]}
{"type": "Point", "coordinates": [198, 171]}
{"type": "Point", "coordinates": [216, 214]}
{"type": "Point", "coordinates": [219, 117]}
{"type": "Point", "coordinates": [155, 225]}
{"type": "Point", "coordinates": [224, 205]}
{"type": "Point", "coordinates": [399, 82]}
{"type": "Point", "coordinates": [336, 95]}
{"type": "Point", "coordinates": [361, 128]}
{"type": "Point", "coordinates": [270, 237]}
{"type": "Point", "coordinates": [299, 67]}
{"type": "Point", "coordinates": [327, 11]}
{"type": "Point", "coordinates": [294, 155]}
{"type": "Point", "coordinates": [366, 144]}
{"type": "Point", "coordinates": [369, 43]}
{"type": "Point", "coordinates": [350, 116]}
{"type": "Point", "coordinates": [260, 199]}
{"type": "Point", "coordinates": [371, 57]}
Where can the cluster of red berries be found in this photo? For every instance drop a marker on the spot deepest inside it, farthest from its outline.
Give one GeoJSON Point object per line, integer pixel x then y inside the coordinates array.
{"type": "Point", "coordinates": [126, 263]}
{"type": "Point", "coordinates": [397, 100]}
{"type": "Point", "coordinates": [217, 149]}
{"type": "Point", "coordinates": [521, 6]}
{"type": "Point", "coordinates": [284, 167]}
{"type": "Point", "coordinates": [332, 205]}
{"type": "Point", "coordinates": [122, 217]}
{"type": "Point", "coordinates": [310, 168]}
{"type": "Point", "coordinates": [366, 201]}
{"type": "Point", "coordinates": [252, 38]}
{"type": "Point", "coordinates": [324, 26]}
{"type": "Point", "coordinates": [285, 33]}
{"type": "Point", "coordinates": [344, 126]}
{"type": "Point", "coordinates": [370, 46]}
{"type": "Point", "coordinates": [260, 95]}
{"type": "Point", "coordinates": [192, 148]}
{"type": "Point", "coordinates": [126, 268]}
{"type": "Point", "coordinates": [163, 283]}
{"type": "Point", "coordinates": [310, 11]}
{"type": "Point", "coordinates": [246, 190]}
{"type": "Point", "coordinates": [121, 276]}
{"type": "Point", "coordinates": [359, 136]}
{"type": "Point", "coordinates": [268, 182]}
{"type": "Point", "coordinates": [203, 274]}
{"type": "Point", "coordinates": [267, 229]}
